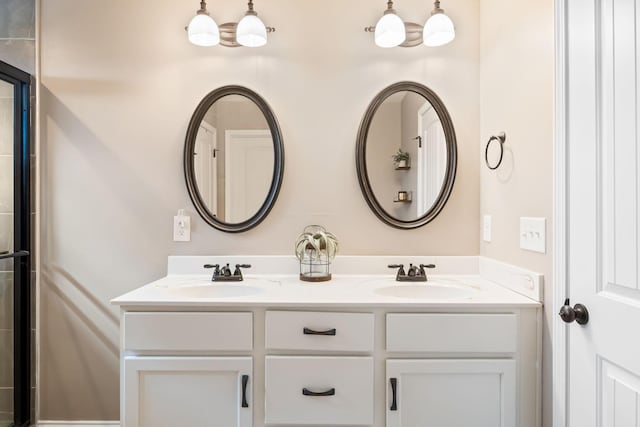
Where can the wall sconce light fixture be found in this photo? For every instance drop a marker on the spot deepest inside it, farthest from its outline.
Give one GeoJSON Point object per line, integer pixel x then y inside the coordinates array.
{"type": "Point", "coordinates": [250, 31]}
{"type": "Point", "coordinates": [391, 31]}
{"type": "Point", "coordinates": [202, 29]}
{"type": "Point", "coordinates": [438, 30]}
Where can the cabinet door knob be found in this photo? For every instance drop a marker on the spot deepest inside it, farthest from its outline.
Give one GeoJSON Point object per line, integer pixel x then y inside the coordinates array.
{"type": "Point", "coordinates": [309, 331]}
{"type": "Point", "coordinates": [394, 393]}
{"type": "Point", "coordinates": [307, 392]}
{"type": "Point", "coordinates": [245, 381]}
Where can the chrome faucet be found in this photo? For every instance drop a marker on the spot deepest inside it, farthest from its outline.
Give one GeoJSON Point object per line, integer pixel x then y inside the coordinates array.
{"type": "Point", "coordinates": [414, 274]}
{"type": "Point", "coordinates": [223, 274]}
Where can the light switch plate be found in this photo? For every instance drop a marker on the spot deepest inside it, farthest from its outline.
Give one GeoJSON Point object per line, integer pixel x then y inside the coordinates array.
{"type": "Point", "coordinates": [486, 228]}
{"type": "Point", "coordinates": [533, 234]}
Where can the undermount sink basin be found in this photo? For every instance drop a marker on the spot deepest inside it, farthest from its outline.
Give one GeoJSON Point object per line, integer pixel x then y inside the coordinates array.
{"type": "Point", "coordinates": [428, 290]}
{"type": "Point", "coordinates": [214, 290]}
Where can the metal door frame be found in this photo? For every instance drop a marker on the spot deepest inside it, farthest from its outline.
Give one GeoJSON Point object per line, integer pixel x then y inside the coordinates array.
{"type": "Point", "coordinates": [22, 243]}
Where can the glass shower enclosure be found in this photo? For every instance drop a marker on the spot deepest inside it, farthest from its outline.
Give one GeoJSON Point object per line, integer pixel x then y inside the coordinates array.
{"type": "Point", "coordinates": [15, 251]}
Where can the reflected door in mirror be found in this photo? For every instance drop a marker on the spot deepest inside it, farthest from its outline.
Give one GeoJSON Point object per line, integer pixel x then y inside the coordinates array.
{"type": "Point", "coordinates": [249, 167]}
{"type": "Point", "coordinates": [432, 159]}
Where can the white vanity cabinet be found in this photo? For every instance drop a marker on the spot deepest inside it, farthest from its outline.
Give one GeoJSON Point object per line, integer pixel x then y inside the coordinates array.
{"type": "Point", "coordinates": [334, 355]}
{"type": "Point", "coordinates": [186, 369]}
{"type": "Point", "coordinates": [462, 369]}
{"type": "Point", "coordinates": [391, 366]}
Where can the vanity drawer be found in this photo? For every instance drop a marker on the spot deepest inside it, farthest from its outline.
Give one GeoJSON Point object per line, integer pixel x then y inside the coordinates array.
{"type": "Point", "coordinates": [319, 331]}
{"type": "Point", "coordinates": [441, 332]}
{"type": "Point", "coordinates": [188, 331]}
{"type": "Point", "coordinates": [346, 381]}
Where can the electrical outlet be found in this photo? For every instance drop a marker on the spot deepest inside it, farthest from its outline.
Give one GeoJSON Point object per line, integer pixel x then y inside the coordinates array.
{"type": "Point", "coordinates": [181, 227]}
{"type": "Point", "coordinates": [486, 228]}
{"type": "Point", "coordinates": [533, 234]}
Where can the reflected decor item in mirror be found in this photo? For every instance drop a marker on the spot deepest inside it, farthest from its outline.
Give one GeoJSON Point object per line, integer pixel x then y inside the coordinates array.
{"type": "Point", "coordinates": [402, 159]}
{"type": "Point", "coordinates": [406, 120]}
{"type": "Point", "coordinates": [233, 159]}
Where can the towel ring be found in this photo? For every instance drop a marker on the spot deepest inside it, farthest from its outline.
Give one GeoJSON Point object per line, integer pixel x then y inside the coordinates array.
{"type": "Point", "coordinates": [501, 138]}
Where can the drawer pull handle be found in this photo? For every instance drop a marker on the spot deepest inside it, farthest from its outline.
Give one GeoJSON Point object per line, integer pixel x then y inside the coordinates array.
{"type": "Point", "coordinates": [245, 380]}
{"type": "Point", "coordinates": [394, 401]}
{"type": "Point", "coordinates": [307, 392]}
{"type": "Point", "coordinates": [309, 331]}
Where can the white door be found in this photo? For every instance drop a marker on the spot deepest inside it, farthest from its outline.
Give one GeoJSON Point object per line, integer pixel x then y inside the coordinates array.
{"type": "Point", "coordinates": [187, 391]}
{"type": "Point", "coordinates": [432, 158]}
{"type": "Point", "coordinates": [451, 393]}
{"type": "Point", "coordinates": [249, 164]}
{"type": "Point", "coordinates": [205, 166]}
{"type": "Point", "coordinates": [603, 158]}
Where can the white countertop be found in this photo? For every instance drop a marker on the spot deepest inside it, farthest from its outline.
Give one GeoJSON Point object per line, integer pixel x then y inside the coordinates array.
{"type": "Point", "coordinates": [179, 290]}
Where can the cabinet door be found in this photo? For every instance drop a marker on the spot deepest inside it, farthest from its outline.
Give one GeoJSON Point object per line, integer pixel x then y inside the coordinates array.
{"type": "Point", "coordinates": [187, 391]}
{"type": "Point", "coordinates": [451, 393]}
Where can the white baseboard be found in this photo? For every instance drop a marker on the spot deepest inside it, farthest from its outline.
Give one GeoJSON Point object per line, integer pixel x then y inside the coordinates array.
{"type": "Point", "coordinates": [78, 423]}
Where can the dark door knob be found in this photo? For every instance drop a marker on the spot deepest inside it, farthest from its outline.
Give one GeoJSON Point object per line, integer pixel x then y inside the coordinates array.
{"type": "Point", "coordinates": [578, 312]}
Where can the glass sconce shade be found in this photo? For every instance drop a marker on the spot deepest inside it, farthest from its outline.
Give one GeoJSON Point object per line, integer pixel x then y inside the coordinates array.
{"type": "Point", "coordinates": [251, 31]}
{"type": "Point", "coordinates": [203, 30]}
{"type": "Point", "coordinates": [438, 30]}
{"type": "Point", "coordinates": [390, 30]}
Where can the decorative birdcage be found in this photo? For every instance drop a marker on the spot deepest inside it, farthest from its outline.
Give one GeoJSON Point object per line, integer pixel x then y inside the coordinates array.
{"type": "Point", "coordinates": [315, 249]}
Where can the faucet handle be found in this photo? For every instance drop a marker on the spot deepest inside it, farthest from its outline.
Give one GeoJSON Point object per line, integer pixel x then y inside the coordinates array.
{"type": "Point", "coordinates": [423, 266]}
{"type": "Point", "coordinates": [238, 272]}
{"type": "Point", "coordinates": [400, 268]}
{"type": "Point", "coordinates": [216, 268]}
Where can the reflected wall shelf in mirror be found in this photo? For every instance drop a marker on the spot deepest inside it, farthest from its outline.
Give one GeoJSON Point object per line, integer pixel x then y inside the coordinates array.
{"type": "Point", "coordinates": [394, 118]}
{"type": "Point", "coordinates": [403, 197]}
{"type": "Point", "coordinates": [233, 159]}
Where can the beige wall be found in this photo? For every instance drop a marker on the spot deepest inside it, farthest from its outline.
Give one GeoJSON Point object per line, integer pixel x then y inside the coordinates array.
{"type": "Point", "coordinates": [119, 84]}
{"type": "Point", "coordinates": [516, 96]}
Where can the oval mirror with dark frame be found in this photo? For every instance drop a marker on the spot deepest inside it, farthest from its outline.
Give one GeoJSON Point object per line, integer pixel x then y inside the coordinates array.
{"type": "Point", "coordinates": [406, 155]}
{"type": "Point", "coordinates": [233, 159]}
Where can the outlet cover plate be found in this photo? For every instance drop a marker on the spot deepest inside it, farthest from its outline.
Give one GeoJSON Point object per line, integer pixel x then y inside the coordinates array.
{"type": "Point", "coordinates": [181, 228]}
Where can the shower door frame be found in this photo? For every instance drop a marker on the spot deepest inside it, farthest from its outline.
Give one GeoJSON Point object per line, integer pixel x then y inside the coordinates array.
{"type": "Point", "coordinates": [21, 243]}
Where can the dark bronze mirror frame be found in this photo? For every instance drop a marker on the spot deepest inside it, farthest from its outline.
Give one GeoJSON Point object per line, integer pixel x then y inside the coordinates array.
{"type": "Point", "coordinates": [452, 155]}
{"type": "Point", "coordinates": [278, 151]}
